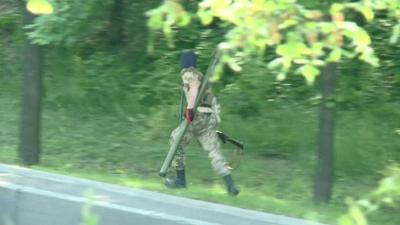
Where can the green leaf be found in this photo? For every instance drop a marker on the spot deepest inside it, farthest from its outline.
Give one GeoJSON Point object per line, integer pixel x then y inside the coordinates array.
{"type": "Point", "coordinates": [361, 37]}
{"type": "Point", "coordinates": [327, 27]}
{"type": "Point", "coordinates": [40, 7]}
{"type": "Point", "coordinates": [288, 23]}
{"type": "Point", "coordinates": [369, 57]}
{"type": "Point", "coordinates": [358, 215]}
{"type": "Point", "coordinates": [275, 63]}
{"type": "Point", "coordinates": [281, 76]}
{"type": "Point", "coordinates": [205, 16]}
{"type": "Point", "coordinates": [368, 13]}
{"type": "Point", "coordinates": [282, 50]}
{"type": "Point", "coordinates": [386, 185]}
{"type": "Point", "coordinates": [310, 72]}
{"type": "Point", "coordinates": [234, 66]}
{"type": "Point", "coordinates": [346, 220]}
{"type": "Point", "coordinates": [318, 62]}
{"type": "Point", "coordinates": [302, 61]}
{"type": "Point", "coordinates": [292, 50]}
{"type": "Point", "coordinates": [259, 4]}
{"type": "Point", "coordinates": [335, 55]}
{"type": "Point", "coordinates": [364, 203]}
{"type": "Point", "coordinates": [396, 33]}
{"type": "Point", "coordinates": [287, 63]}
{"type": "Point", "coordinates": [317, 48]}
{"type": "Point", "coordinates": [336, 8]}
{"type": "Point", "coordinates": [156, 17]}
{"type": "Point", "coordinates": [219, 5]}
{"type": "Point", "coordinates": [155, 21]}
{"type": "Point", "coordinates": [388, 200]}
{"type": "Point", "coordinates": [184, 20]}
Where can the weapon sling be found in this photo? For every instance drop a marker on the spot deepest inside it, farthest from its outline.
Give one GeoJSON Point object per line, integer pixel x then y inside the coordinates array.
{"type": "Point", "coordinates": [184, 124]}
{"type": "Point", "coordinates": [181, 111]}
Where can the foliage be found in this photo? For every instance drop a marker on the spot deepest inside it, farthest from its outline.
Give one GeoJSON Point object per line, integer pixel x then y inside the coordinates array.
{"type": "Point", "coordinates": [68, 24]}
{"type": "Point", "coordinates": [89, 218]}
{"type": "Point", "coordinates": [275, 173]}
{"type": "Point", "coordinates": [361, 85]}
{"type": "Point", "coordinates": [387, 194]}
{"type": "Point", "coordinates": [109, 108]}
{"type": "Point", "coordinates": [302, 37]}
{"type": "Point", "coordinates": [179, 17]}
{"type": "Point", "coordinates": [10, 22]}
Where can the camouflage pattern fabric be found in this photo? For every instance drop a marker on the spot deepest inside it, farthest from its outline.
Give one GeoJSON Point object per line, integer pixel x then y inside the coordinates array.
{"type": "Point", "coordinates": [190, 75]}
{"type": "Point", "coordinates": [203, 128]}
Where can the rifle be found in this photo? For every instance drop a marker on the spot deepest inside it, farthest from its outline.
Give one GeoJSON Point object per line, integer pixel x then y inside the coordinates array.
{"type": "Point", "coordinates": [225, 138]}
{"type": "Point", "coordinates": [234, 161]}
{"type": "Point", "coordinates": [184, 124]}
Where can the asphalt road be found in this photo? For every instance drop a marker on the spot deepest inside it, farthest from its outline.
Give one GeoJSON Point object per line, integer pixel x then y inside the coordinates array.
{"type": "Point", "coordinates": [30, 197]}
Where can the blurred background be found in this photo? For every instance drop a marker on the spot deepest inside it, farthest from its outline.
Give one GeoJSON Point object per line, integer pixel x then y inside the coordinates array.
{"type": "Point", "coordinates": [110, 92]}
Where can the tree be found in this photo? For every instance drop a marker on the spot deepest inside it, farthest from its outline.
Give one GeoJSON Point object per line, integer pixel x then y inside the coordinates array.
{"type": "Point", "coordinates": [324, 178]}
{"type": "Point", "coordinates": [117, 23]}
{"type": "Point", "coordinates": [304, 40]}
{"type": "Point", "coordinates": [29, 149]}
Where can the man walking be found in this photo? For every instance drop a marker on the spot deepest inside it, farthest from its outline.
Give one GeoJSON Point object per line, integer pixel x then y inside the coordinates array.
{"type": "Point", "coordinates": [202, 126]}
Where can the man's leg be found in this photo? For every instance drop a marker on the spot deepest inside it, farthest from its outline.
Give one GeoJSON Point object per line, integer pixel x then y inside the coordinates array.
{"type": "Point", "coordinates": [179, 165]}
{"type": "Point", "coordinates": [211, 143]}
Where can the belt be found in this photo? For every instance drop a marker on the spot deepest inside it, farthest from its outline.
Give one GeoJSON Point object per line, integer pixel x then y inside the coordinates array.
{"type": "Point", "coordinates": [205, 105]}
{"type": "Point", "coordinates": [203, 109]}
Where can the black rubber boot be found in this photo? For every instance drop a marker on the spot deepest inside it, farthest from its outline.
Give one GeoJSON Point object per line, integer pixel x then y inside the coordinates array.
{"type": "Point", "coordinates": [178, 182]}
{"type": "Point", "coordinates": [232, 190]}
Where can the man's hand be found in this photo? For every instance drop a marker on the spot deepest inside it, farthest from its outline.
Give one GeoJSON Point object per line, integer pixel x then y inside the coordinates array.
{"type": "Point", "coordinates": [189, 115]}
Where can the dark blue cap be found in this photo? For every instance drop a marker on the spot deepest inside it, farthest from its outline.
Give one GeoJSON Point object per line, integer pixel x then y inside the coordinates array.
{"type": "Point", "coordinates": [188, 60]}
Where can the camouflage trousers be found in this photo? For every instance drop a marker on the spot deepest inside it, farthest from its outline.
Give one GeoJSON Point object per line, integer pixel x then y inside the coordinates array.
{"type": "Point", "coordinates": [203, 128]}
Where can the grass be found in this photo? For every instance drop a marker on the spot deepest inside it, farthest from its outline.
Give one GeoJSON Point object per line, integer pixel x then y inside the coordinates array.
{"type": "Point", "coordinates": [276, 173]}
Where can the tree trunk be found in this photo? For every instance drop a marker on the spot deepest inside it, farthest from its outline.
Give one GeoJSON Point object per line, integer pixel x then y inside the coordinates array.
{"type": "Point", "coordinates": [325, 165]}
{"type": "Point", "coordinates": [29, 149]}
{"type": "Point", "coordinates": [117, 23]}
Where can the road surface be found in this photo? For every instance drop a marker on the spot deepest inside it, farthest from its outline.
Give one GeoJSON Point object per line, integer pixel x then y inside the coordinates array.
{"type": "Point", "coordinates": [31, 197]}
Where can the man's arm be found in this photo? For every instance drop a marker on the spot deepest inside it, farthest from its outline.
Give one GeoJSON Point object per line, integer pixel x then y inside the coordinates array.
{"type": "Point", "coordinates": [191, 84]}
{"type": "Point", "coordinates": [193, 91]}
